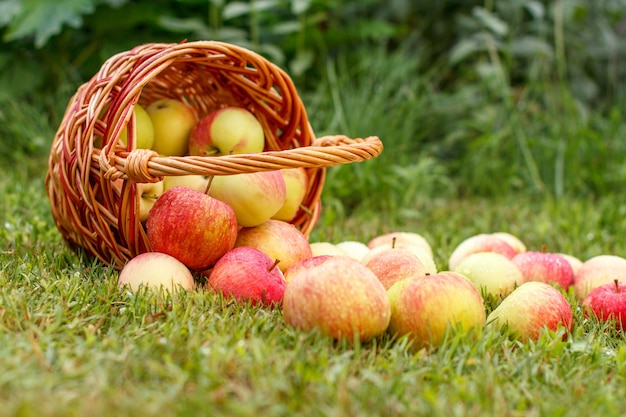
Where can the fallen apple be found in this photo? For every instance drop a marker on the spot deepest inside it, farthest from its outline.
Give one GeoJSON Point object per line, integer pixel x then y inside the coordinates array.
{"type": "Point", "coordinates": [512, 240]}
{"type": "Point", "coordinates": [599, 270]}
{"type": "Point", "coordinates": [492, 273]}
{"type": "Point", "coordinates": [395, 264]}
{"type": "Point", "coordinates": [354, 249]}
{"type": "Point", "coordinates": [400, 238]}
{"type": "Point", "coordinates": [326, 248]}
{"type": "Point", "coordinates": [545, 267]}
{"type": "Point", "coordinates": [417, 250]}
{"type": "Point", "coordinates": [482, 242]}
{"type": "Point", "coordinates": [155, 271]}
{"type": "Point", "coordinates": [191, 226]}
{"type": "Point", "coordinates": [608, 303]}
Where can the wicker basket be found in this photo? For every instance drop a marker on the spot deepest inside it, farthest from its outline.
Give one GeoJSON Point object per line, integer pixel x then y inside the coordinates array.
{"type": "Point", "coordinates": [88, 163]}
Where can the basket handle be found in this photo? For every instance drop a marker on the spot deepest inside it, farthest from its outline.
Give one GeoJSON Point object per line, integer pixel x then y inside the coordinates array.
{"type": "Point", "coordinates": [145, 165]}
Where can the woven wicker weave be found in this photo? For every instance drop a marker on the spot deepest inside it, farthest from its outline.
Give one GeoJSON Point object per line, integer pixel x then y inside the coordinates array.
{"type": "Point", "coordinates": [92, 176]}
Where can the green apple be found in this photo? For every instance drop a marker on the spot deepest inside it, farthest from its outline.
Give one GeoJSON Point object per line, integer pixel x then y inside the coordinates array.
{"type": "Point", "coordinates": [148, 194]}
{"type": "Point", "coordinates": [144, 130]}
{"type": "Point", "coordinates": [491, 272]}
{"type": "Point", "coordinates": [230, 130]}
{"type": "Point", "coordinates": [173, 122]}
{"type": "Point", "coordinates": [194, 182]}
{"type": "Point", "coordinates": [296, 183]}
{"type": "Point", "coordinates": [255, 197]}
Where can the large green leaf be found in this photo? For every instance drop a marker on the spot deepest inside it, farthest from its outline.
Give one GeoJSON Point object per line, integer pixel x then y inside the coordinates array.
{"type": "Point", "coordinates": [46, 18]}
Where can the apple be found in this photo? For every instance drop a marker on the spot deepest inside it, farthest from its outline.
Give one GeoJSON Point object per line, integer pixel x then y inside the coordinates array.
{"type": "Point", "coordinates": [482, 242]}
{"type": "Point", "coordinates": [417, 250]}
{"type": "Point", "coordinates": [354, 249]}
{"type": "Point", "coordinates": [401, 238]}
{"type": "Point", "coordinates": [148, 193]}
{"type": "Point", "coordinates": [155, 270]}
{"type": "Point", "coordinates": [303, 264]}
{"type": "Point", "coordinates": [296, 185]}
{"type": "Point", "coordinates": [255, 197]}
{"type": "Point", "coordinates": [338, 296]}
{"type": "Point", "coordinates": [512, 240]}
{"type": "Point", "coordinates": [248, 275]}
{"type": "Point", "coordinates": [173, 121]}
{"type": "Point", "coordinates": [195, 182]}
{"type": "Point", "coordinates": [492, 273]}
{"type": "Point", "coordinates": [144, 130]}
{"type": "Point", "coordinates": [531, 308]}
{"type": "Point", "coordinates": [425, 309]}
{"type": "Point", "coordinates": [191, 226]}
{"type": "Point", "coordinates": [280, 240]}
{"type": "Point", "coordinates": [326, 248]}
{"type": "Point", "coordinates": [229, 130]}
{"type": "Point", "coordinates": [395, 264]}
{"type": "Point", "coordinates": [608, 303]}
{"type": "Point", "coordinates": [597, 271]}
{"type": "Point", "coordinates": [545, 267]}
{"type": "Point", "coordinates": [574, 262]}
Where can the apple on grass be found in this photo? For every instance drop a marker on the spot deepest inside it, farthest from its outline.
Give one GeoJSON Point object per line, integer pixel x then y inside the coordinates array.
{"type": "Point", "coordinates": [395, 264]}
{"type": "Point", "coordinates": [492, 273]}
{"type": "Point", "coordinates": [530, 309]}
{"type": "Point", "coordinates": [338, 296]}
{"type": "Point", "coordinates": [326, 248]}
{"type": "Point", "coordinates": [143, 133]}
{"type": "Point", "coordinates": [512, 240]}
{"type": "Point", "coordinates": [195, 182]}
{"type": "Point", "coordinates": [229, 130]}
{"type": "Point", "coordinates": [400, 238]}
{"type": "Point", "coordinates": [599, 270]}
{"type": "Point", "coordinates": [354, 249]}
{"type": "Point", "coordinates": [255, 197]}
{"type": "Point", "coordinates": [248, 275]}
{"type": "Point", "coordinates": [280, 240]}
{"type": "Point", "coordinates": [574, 262]}
{"type": "Point", "coordinates": [148, 194]}
{"type": "Point", "coordinates": [155, 271]}
{"type": "Point", "coordinates": [296, 185]}
{"type": "Point", "coordinates": [173, 122]}
{"type": "Point", "coordinates": [608, 303]}
{"type": "Point", "coordinates": [426, 309]}
{"type": "Point", "coordinates": [191, 226]}
{"type": "Point", "coordinates": [545, 267]}
{"type": "Point", "coordinates": [419, 251]}
{"type": "Point", "coordinates": [482, 242]}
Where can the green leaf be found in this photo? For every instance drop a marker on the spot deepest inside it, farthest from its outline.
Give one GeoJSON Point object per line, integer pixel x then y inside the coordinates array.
{"type": "Point", "coordinates": [44, 19]}
{"type": "Point", "coordinates": [491, 21]}
{"type": "Point", "coordinates": [8, 10]}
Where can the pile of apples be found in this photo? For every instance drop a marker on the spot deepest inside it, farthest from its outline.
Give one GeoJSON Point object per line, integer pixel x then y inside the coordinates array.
{"type": "Point", "coordinates": [232, 235]}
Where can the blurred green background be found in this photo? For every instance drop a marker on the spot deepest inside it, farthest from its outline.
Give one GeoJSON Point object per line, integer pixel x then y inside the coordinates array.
{"type": "Point", "coordinates": [471, 98]}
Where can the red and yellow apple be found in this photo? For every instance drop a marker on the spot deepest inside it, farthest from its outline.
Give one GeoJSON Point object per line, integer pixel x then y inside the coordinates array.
{"type": "Point", "coordinates": [296, 183]}
{"type": "Point", "coordinates": [155, 271]}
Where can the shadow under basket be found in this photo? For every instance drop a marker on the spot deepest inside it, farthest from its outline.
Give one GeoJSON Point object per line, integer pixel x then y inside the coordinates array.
{"type": "Point", "coordinates": [92, 176]}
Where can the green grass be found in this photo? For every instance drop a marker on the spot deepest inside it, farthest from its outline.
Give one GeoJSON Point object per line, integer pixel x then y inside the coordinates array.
{"type": "Point", "coordinates": [71, 343]}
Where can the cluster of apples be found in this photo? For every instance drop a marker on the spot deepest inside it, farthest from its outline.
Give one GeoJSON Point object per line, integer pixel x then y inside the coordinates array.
{"type": "Point", "coordinates": [169, 127]}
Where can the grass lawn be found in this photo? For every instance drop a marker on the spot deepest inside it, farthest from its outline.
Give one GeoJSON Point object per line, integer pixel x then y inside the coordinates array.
{"type": "Point", "coordinates": [72, 344]}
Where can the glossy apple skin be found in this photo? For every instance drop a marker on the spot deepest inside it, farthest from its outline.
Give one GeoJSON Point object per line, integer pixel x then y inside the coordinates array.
{"type": "Point", "coordinates": [191, 226]}
{"type": "Point", "coordinates": [599, 270]}
{"type": "Point", "coordinates": [172, 121]}
{"type": "Point", "coordinates": [155, 270]}
{"type": "Point", "coordinates": [482, 242]}
{"type": "Point", "coordinates": [248, 275]}
{"type": "Point", "coordinates": [425, 309]}
{"type": "Point", "coordinates": [296, 185]}
{"type": "Point", "coordinates": [531, 308]}
{"type": "Point", "coordinates": [278, 239]}
{"type": "Point", "coordinates": [491, 272]}
{"type": "Point", "coordinates": [608, 303]}
{"type": "Point", "coordinates": [230, 130]}
{"type": "Point", "coordinates": [337, 295]}
{"type": "Point", "coordinates": [148, 195]}
{"type": "Point", "coordinates": [393, 265]}
{"type": "Point", "coordinates": [545, 267]}
{"type": "Point", "coordinates": [255, 197]}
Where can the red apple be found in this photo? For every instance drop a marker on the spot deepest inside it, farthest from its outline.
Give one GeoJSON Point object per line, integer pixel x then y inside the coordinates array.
{"type": "Point", "coordinates": [417, 250]}
{"type": "Point", "coordinates": [399, 238]}
{"type": "Point", "coordinates": [545, 267]}
{"type": "Point", "coordinates": [230, 130]}
{"type": "Point", "coordinates": [482, 242]}
{"type": "Point", "coordinates": [302, 265]}
{"type": "Point", "coordinates": [597, 271]}
{"type": "Point", "coordinates": [255, 197]}
{"type": "Point", "coordinates": [155, 270]}
{"type": "Point", "coordinates": [248, 275]}
{"type": "Point", "coordinates": [395, 264]}
{"type": "Point", "coordinates": [608, 303]}
{"type": "Point", "coordinates": [426, 309]}
{"type": "Point", "coordinates": [337, 295]}
{"type": "Point", "coordinates": [531, 308]}
{"type": "Point", "coordinates": [512, 240]}
{"type": "Point", "coordinates": [192, 227]}
{"type": "Point", "coordinates": [278, 239]}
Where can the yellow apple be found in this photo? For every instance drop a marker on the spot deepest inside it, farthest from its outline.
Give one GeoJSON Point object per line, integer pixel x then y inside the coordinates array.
{"type": "Point", "coordinates": [148, 194]}
{"type": "Point", "coordinates": [296, 182]}
{"type": "Point", "coordinates": [144, 130]}
{"type": "Point", "coordinates": [195, 182]}
{"type": "Point", "coordinates": [173, 122]}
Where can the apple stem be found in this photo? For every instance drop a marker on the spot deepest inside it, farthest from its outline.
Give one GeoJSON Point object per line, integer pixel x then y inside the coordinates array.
{"type": "Point", "coordinates": [272, 266]}
{"type": "Point", "coordinates": [544, 248]}
{"type": "Point", "coordinates": [616, 281]}
{"type": "Point", "coordinates": [393, 242]}
{"type": "Point", "coordinates": [208, 185]}
{"type": "Point", "coordinates": [211, 152]}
